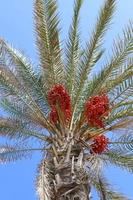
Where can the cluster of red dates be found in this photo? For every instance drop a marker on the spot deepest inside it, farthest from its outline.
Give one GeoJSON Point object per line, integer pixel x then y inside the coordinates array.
{"type": "Point", "coordinates": [58, 96]}
{"type": "Point", "coordinates": [100, 144]}
{"type": "Point", "coordinates": [96, 108]}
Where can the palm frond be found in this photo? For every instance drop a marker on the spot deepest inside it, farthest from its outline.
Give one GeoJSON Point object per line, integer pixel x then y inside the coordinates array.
{"type": "Point", "coordinates": [125, 103]}
{"type": "Point", "coordinates": [123, 144]}
{"type": "Point", "coordinates": [105, 190]}
{"type": "Point", "coordinates": [93, 52]}
{"type": "Point", "coordinates": [122, 126]}
{"type": "Point", "coordinates": [12, 153]}
{"type": "Point", "coordinates": [119, 114]}
{"type": "Point", "coordinates": [121, 51]}
{"type": "Point", "coordinates": [14, 129]}
{"type": "Point", "coordinates": [122, 74]}
{"type": "Point", "coordinates": [5, 87]}
{"type": "Point", "coordinates": [19, 72]}
{"type": "Point", "coordinates": [14, 109]}
{"type": "Point", "coordinates": [98, 181]}
{"type": "Point", "coordinates": [43, 180]}
{"type": "Point", "coordinates": [73, 50]}
{"type": "Point", "coordinates": [46, 22]}
{"type": "Point", "coordinates": [25, 98]}
{"type": "Point", "coordinates": [122, 92]}
{"type": "Point", "coordinates": [119, 159]}
{"type": "Point", "coordinates": [17, 110]}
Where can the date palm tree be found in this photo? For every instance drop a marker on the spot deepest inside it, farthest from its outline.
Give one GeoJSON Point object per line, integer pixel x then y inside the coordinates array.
{"type": "Point", "coordinates": [67, 109]}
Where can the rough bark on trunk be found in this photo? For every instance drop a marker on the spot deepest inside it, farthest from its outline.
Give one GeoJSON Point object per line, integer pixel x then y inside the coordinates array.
{"type": "Point", "coordinates": [71, 182]}
{"type": "Point", "coordinates": [68, 178]}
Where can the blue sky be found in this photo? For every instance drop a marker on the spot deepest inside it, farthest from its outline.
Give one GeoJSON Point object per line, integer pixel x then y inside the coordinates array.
{"type": "Point", "coordinates": [16, 26]}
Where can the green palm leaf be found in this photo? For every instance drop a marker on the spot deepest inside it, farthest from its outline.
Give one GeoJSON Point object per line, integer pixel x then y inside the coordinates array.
{"type": "Point", "coordinates": [24, 97]}
{"type": "Point", "coordinates": [19, 72]}
{"type": "Point", "coordinates": [15, 109]}
{"type": "Point", "coordinates": [14, 129]}
{"type": "Point", "coordinates": [13, 153]}
{"type": "Point", "coordinates": [93, 52]}
{"type": "Point", "coordinates": [117, 158]}
{"type": "Point", "coordinates": [121, 51]}
{"type": "Point", "coordinates": [123, 126]}
{"type": "Point", "coordinates": [46, 22]}
{"type": "Point", "coordinates": [73, 50]}
{"type": "Point", "coordinates": [122, 74]}
{"type": "Point", "coordinates": [119, 114]}
{"type": "Point", "coordinates": [123, 144]}
{"type": "Point", "coordinates": [105, 190]}
{"type": "Point", "coordinates": [123, 91]}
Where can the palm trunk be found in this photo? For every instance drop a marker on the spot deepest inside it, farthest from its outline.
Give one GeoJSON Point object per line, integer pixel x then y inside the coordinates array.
{"type": "Point", "coordinates": [71, 181]}
{"type": "Point", "coordinates": [67, 178]}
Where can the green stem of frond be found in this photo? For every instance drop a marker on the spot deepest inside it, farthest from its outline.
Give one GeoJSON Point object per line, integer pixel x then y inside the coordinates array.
{"type": "Point", "coordinates": [121, 142]}
{"type": "Point", "coordinates": [34, 149]}
{"type": "Point", "coordinates": [38, 136]}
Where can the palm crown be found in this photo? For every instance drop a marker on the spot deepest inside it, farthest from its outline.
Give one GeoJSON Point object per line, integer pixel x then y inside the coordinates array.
{"type": "Point", "coordinates": [67, 110]}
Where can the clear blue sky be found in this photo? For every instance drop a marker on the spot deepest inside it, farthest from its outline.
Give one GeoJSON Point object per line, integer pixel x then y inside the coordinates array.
{"type": "Point", "coordinates": [16, 25]}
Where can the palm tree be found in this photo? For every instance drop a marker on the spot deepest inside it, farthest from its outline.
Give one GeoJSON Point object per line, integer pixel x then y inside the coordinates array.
{"type": "Point", "coordinates": [67, 111]}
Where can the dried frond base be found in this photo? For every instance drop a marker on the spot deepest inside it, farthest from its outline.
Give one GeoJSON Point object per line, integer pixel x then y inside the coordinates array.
{"type": "Point", "coordinates": [44, 187]}
{"type": "Point", "coordinates": [71, 180]}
